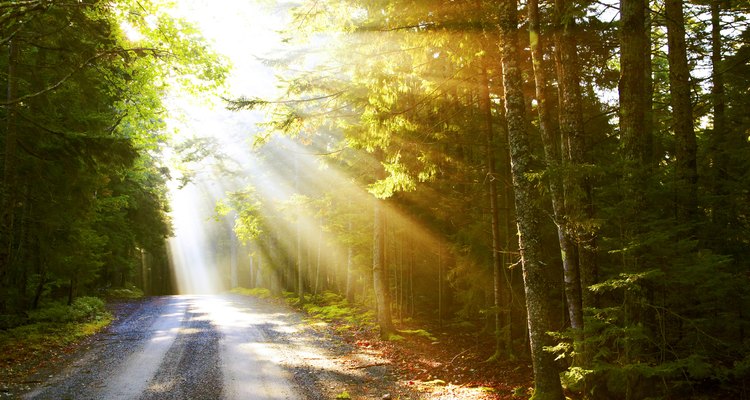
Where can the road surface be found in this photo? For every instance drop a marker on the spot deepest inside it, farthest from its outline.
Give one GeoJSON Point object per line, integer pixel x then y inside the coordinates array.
{"type": "Point", "coordinates": [210, 347]}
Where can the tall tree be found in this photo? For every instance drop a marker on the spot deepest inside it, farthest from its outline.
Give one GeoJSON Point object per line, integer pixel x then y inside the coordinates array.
{"type": "Point", "coordinates": [686, 170]}
{"type": "Point", "coordinates": [380, 271]}
{"type": "Point", "coordinates": [633, 46]}
{"type": "Point", "coordinates": [501, 285]}
{"type": "Point", "coordinates": [537, 277]}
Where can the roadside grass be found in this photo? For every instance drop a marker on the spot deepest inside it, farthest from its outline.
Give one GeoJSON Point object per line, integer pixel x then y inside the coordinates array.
{"type": "Point", "coordinates": [126, 293]}
{"type": "Point", "coordinates": [47, 333]}
{"type": "Point", "coordinates": [333, 308]}
{"type": "Point", "coordinates": [261, 293]}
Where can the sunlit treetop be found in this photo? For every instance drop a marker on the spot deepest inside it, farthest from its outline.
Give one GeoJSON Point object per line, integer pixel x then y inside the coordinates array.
{"type": "Point", "coordinates": [379, 75]}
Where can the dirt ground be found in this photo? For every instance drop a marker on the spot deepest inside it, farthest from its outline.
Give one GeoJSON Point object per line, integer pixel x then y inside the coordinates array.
{"type": "Point", "coordinates": [452, 367]}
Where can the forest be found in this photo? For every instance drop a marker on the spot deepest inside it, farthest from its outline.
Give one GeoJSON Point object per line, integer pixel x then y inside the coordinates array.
{"type": "Point", "coordinates": [571, 180]}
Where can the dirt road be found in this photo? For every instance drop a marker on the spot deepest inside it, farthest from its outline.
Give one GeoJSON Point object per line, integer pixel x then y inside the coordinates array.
{"type": "Point", "coordinates": [214, 347]}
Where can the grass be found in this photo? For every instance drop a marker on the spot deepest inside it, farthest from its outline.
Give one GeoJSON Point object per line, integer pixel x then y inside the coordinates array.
{"type": "Point", "coordinates": [127, 293]}
{"type": "Point", "coordinates": [332, 307]}
{"type": "Point", "coordinates": [49, 331]}
{"type": "Point", "coordinates": [41, 335]}
{"type": "Point", "coordinates": [261, 293]}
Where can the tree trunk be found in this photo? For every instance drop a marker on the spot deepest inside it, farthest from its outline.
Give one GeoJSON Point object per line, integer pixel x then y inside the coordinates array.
{"type": "Point", "coordinates": [502, 345]}
{"type": "Point", "coordinates": [633, 46]}
{"type": "Point", "coordinates": [577, 187]}
{"type": "Point", "coordinates": [536, 275]}
{"type": "Point", "coordinates": [380, 272]}
{"type": "Point", "coordinates": [552, 158]}
{"type": "Point", "coordinates": [317, 259]}
{"type": "Point", "coordinates": [251, 266]}
{"type": "Point", "coordinates": [233, 260]}
{"type": "Point", "coordinates": [350, 268]}
{"type": "Point", "coordinates": [9, 171]}
{"type": "Point", "coordinates": [649, 153]}
{"type": "Point", "coordinates": [718, 136]}
{"type": "Point", "coordinates": [682, 112]}
{"type": "Point", "coordinates": [298, 227]}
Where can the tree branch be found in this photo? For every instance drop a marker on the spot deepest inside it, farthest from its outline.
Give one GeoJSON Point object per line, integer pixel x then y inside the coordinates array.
{"type": "Point", "coordinates": [79, 68]}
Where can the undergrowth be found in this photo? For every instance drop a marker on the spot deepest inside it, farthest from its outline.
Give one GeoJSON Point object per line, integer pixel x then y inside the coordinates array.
{"type": "Point", "coordinates": [126, 293]}
{"type": "Point", "coordinates": [333, 307]}
{"type": "Point", "coordinates": [261, 293]}
{"type": "Point", "coordinates": [52, 327]}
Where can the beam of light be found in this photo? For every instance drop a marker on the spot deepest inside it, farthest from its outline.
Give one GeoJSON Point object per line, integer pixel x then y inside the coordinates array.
{"type": "Point", "coordinates": [278, 171]}
{"type": "Point", "coordinates": [190, 255]}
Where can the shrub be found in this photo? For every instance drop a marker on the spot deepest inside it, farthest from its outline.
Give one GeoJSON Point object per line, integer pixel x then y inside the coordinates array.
{"type": "Point", "coordinates": [82, 309]}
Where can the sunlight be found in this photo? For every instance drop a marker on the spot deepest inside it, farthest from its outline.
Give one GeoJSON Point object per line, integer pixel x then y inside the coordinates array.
{"type": "Point", "coordinates": [297, 228]}
{"type": "Point", "coordinates": [189, 248]}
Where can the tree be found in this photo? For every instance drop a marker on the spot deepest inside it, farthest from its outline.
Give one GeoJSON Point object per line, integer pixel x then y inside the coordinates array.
{"type": "Point", "coordinates": [537, 281]}
{"type": "Point", "coordinates": [84, 126]}
{"type": "Point", "coordinates": [686, 172]}
{"type": "Point", "coordinates": [633, 46]}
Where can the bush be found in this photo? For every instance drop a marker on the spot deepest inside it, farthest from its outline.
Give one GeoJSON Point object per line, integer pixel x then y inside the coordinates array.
{"type": "Point", "coordinates": [83, 309]}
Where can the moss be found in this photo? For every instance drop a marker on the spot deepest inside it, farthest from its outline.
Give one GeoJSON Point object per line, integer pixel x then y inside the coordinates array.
{"type": "Point", "coordinates": [344, 395]}
{"type": "Point", "coordinates": [421, 333]}
{"type": "Point", "coordinates": [394, 337]}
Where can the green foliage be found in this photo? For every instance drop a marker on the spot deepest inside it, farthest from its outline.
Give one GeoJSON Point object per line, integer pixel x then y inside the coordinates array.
{"type": "Point", "coordinates": [83, 309]}
{"type": "Point", "coordinates": [244, 206]}
{"type": "Point", "coordinates": [330, 306]}
{"type": "Point", "coordinates": [89, 191]}
{"type": "Point", "coordinates": [261, 293]}
{"type": "Point", "coordinates": [420, 333]}
{"type": "Point", "coordinates": [129, 293]}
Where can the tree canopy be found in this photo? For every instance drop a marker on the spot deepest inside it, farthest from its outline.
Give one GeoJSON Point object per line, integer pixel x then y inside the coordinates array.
{"type": "Point", "coordinates": [83, 192]}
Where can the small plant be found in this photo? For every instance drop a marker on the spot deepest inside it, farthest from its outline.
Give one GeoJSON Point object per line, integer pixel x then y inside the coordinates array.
{"type": "Point", "coordinates": [344, 395]}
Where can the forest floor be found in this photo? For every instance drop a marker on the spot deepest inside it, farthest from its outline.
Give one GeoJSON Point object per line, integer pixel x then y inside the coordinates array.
{"type": "Point", "coordinates": [445, 364]}
{"type": "Point", "coordinates": [452, 364]}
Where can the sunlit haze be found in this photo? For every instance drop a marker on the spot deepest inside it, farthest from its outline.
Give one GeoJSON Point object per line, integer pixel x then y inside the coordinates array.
{"type": "Point", "coordinates": [245, 33]}
{"type": "Point", "coordinates": [205, 247]}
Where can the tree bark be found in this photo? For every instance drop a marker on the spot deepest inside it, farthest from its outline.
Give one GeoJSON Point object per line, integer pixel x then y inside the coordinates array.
{"type": "Point", "coordinates": [633, 46]}
{"type": "Point", "coordinates": [536, 275]}
{"type": "Point", "coordinates": [682, 112]}
{"type": "Point", "coordinates": [649, 153]}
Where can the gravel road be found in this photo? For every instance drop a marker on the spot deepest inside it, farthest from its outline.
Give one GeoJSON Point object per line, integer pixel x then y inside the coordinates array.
{"type": "Point", "coordinates": [214, 347]}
